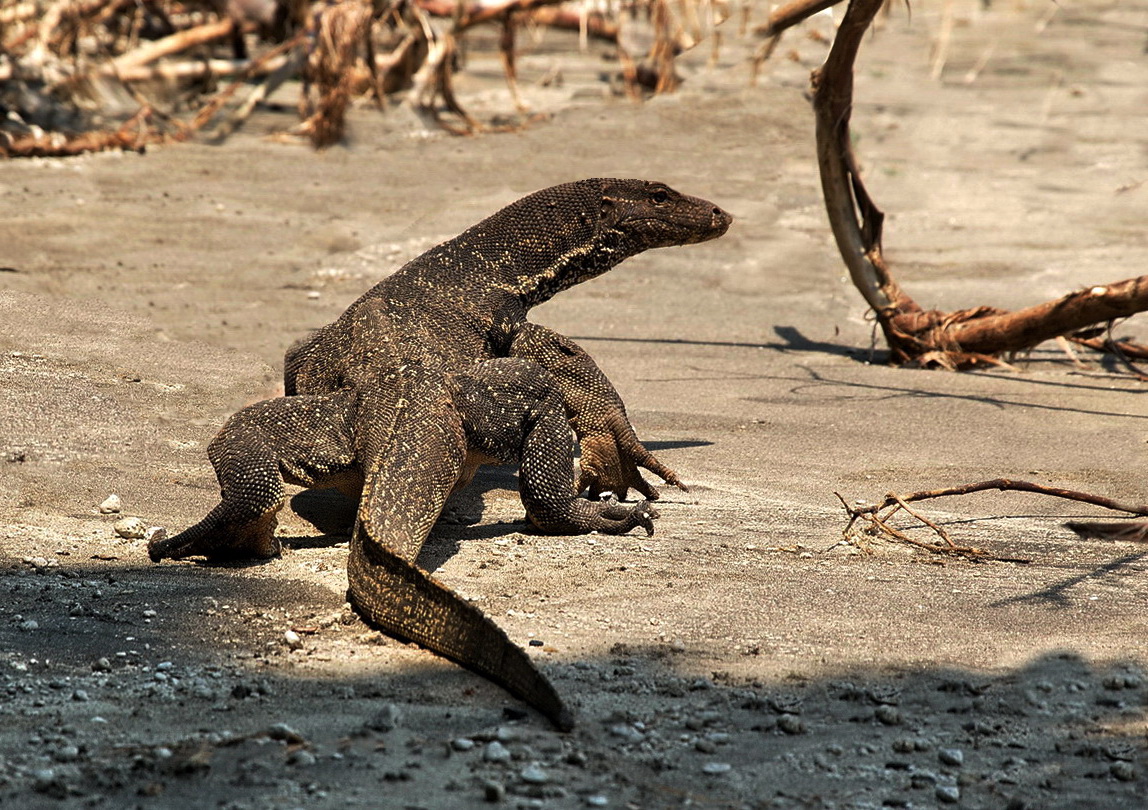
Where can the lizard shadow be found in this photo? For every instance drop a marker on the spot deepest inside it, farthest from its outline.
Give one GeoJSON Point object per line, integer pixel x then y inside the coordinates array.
{"type": "Point", "coordinates": [333, 513]}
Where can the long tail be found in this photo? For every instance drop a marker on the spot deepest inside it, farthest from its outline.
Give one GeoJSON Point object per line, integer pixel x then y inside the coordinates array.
{"type": "Point", "coordinates": [400, 599]}
{"type": "Point", "coordinates": [410, 466]}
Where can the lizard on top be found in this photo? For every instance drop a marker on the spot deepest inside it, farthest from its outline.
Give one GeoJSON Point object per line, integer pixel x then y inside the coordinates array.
{"type": "Point", "coordinates": [435, 371]}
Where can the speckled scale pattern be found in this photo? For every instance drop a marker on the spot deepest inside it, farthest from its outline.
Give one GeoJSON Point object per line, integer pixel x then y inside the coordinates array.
{"type": "Point", "coordinates": [435, 370]}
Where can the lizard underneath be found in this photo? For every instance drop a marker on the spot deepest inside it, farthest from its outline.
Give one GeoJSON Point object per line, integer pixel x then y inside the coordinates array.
{"type": "Point", "coordinates": [435, 371]}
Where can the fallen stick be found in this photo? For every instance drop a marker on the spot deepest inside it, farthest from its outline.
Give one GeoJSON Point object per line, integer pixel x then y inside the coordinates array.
{"type": "Point", "coordinates": [180, 41]}
{"type": "Point", "coordinates": [1010, 485]}
{"type": "Point", "coordinates": [182, 71]}
{"type": "Point", "coordinates": [133, 136]}
{"type": "Point", "coordinates": [791, 14]}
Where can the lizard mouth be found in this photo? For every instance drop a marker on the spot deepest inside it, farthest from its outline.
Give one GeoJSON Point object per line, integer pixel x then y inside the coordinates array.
{"type": "Point", "coordinates": [683, 231]}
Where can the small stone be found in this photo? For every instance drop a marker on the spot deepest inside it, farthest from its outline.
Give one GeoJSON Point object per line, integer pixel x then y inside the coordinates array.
{"type": "Point", "coordinates": [791, 724]}
{"type": "Point", "coordinates": [149, 614]}
{"type": "Point", "coordinates": [1124, 771]}
{"type": "Point", "coordinates": [904, 746]}
{"type": "Point", "coordinates": [80, 696]}
{"type": "Point", "coordinates": [66, 753]}
{"type": "Point", "coordinates": [44, 781]}
{"type": "Point", "coordinates": [951, 756]}
{"type": "Point", "coordinates": [130, 528]}
{"type": "Point", "coordinates": [101, 665]}
{"type": "Point", "coordinates": [493, 792]}
{"type": "Point", "coordinates": [716, 768]}
{"type": "Point", "coordinates": [505, 734]}
{"type": "Point", "coordinates": [462, 744]}
{"type": "Point", "coordinates": [597, 800]}
{"type": "Point", "coordinates": [705, 746]}
{"type": "Point", "coordinates": [627, 732]}
{"type": "Point", "coordinates": [533, 774]}
{"type": "Point", "coordinates": [29, 624]}
{"type": "Point", "coordinates": [112, 505]}
{"type": "Point", "coordinates": [284, 732]}
{"type": "Point", "coordinates": [949, 794]}
{"type": "Point", "coordinates": [536, 642]}
{"type": "Point", "coordinates": [888, 715]}
{"type": "Point", "coordinates": [301, 757]}
{"type": "Point", "coordinates": [496, 752]}
{"type": "Point", "coordinates": [386, 719]}
{"type": "Point", "coordinates": [293, 640]}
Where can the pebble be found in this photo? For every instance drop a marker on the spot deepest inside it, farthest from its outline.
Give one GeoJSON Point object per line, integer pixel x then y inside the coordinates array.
{"type": "Point", "coordinates": [888, 715]}
{"type": "Point", "coordinates": [533, 774]}
{"type": "Point", "coordinates": [101, 665]}
{"type": "Point", "coordinates": [131, 528]}
{"type": "Point", "coordinates": [462, 744]}
{"type": "Point", "coordinates": [29, 624]}
{"type": "Point", "coordinates": [597, 800]}
{"type": "Point", "coordinates": [80, 696]}
{"type": "Point", "coordinates": [791, 724]}
{"type": "Point", "coordinates": [716, 768]}
{"type": "Point", "coordinates": [66, 753]}
{"type": "Point", "coordinates": [951, 756]}
{"type": "Point", "coordinates": [496, 752]}
{"type": "Point", "coordinates": [386, 719]}
{"type": "Point", "coordinates": [282, 731]}
{"type": "Point", "coordinates": [505, 734]}
{"type": "Point", "coordinates": [627, 732]}
{"type": "Point", "coordinates": [112, 505]}
{"type": "Point", "coordinates": [301, 757]}
{"type": "Point", "coordinates": [493, 791]}
{"type": "Point", "coordinates": [1123, 771]}
{"type": "Point", "coordinates": [949, 794]}
{"type": "Point", "coordinates": [293, 640]}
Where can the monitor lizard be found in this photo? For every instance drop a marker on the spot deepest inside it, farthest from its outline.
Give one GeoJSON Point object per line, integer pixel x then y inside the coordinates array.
{"type": "Point", "coordinates": [435, 371]}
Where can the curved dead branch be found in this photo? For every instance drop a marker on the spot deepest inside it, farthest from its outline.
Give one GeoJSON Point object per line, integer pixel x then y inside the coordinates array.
{"type": "Point", "coordinates": [932, 338]}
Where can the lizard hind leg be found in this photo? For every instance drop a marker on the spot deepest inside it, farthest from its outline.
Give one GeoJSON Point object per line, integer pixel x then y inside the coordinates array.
{"type": "Point", "coordinates": [301, 439]}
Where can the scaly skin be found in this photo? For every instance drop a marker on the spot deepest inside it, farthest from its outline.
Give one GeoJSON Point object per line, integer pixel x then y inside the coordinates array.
{"type": "Point", "coordinates": [435, 370]}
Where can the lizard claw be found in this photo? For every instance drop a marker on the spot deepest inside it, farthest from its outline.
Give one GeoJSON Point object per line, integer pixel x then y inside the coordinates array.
{"type": "Point", "coordinates": [625, 516]}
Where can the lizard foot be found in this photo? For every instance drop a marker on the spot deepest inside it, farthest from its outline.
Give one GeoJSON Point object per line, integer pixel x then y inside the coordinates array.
{"type": "Point", "coordinates": [217, 538]}
{"type": "Point", "coordinates": [583, 517]}
{"type": "Point", "coordinates": [608, 465]}
{"type": "Point", "coordinates": [624, 517]}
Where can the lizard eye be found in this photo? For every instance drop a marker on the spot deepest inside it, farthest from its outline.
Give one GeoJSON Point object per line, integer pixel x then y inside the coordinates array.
{"type": "Point", "coordinates": [660, 197]}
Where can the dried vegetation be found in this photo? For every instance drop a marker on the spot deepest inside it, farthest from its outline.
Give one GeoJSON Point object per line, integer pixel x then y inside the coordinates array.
{"type": "Point", "coordinates": [85, 75]}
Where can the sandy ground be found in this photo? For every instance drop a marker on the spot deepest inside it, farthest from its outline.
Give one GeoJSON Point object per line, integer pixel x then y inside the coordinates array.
{"type": "Point", "coordinates": [744, 656]}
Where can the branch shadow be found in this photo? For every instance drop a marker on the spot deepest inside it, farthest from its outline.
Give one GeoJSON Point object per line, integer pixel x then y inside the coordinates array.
{"type": "Point", "coordinates": [1056, 595]}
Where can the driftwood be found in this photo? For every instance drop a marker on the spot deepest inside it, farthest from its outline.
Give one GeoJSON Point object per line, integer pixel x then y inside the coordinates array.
{"type": "Point", "coordinates": [83, 60]}
{"type": "Point", "coordinates": [952, 340]}
{"type": "Point", "coordinates": [875, 519]}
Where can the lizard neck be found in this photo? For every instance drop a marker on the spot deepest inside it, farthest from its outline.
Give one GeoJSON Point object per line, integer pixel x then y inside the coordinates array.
{"type": "Point", "coordinates": [532, 283]}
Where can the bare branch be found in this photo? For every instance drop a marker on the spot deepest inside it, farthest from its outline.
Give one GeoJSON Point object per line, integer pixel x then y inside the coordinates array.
{"type": "Point", "coordinates": [1008, 484]}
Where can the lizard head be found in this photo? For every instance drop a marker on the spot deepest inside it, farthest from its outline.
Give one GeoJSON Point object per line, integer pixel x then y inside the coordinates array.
{"type": "Point", "coordinates": [651, 214]}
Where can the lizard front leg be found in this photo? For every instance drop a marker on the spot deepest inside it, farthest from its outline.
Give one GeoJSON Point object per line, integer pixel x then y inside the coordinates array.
{"type": "Point", "coordinates": [611, 452]}
{"type": "Point", "coordinates": [303, 440]}
{"type": "Point", "coordinates": [512, 410]}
